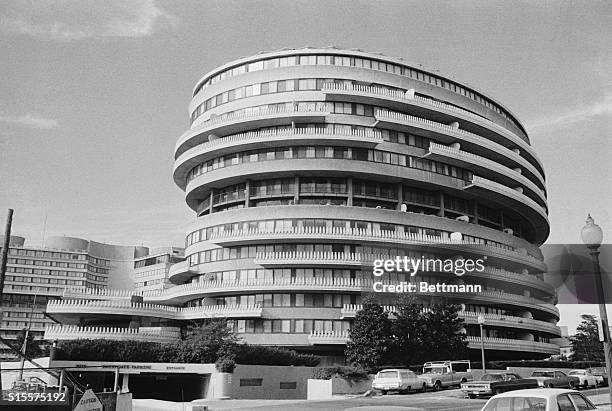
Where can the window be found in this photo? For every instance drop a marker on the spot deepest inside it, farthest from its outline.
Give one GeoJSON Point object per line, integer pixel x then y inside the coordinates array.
{"type": "Point", "coordinates": [251, 382]}
{"type": "Point", "coordinates": [564, 403]}
{"type": "Point", "coordinates": [288, 385]}
{"type": "Point", "coordinates": [581, 402]}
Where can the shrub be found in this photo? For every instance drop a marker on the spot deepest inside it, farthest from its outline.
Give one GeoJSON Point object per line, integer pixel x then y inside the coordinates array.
{"type": "Point", "coordinates": [261, 355]}
{"type": "Point", "coordinates": [225, 364]}
{"type": "Point", "coordinates": [350, 374]}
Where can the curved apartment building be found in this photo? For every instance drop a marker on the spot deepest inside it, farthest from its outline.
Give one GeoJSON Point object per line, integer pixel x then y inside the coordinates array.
{"type": "Point", "coordinates": [304, 166]}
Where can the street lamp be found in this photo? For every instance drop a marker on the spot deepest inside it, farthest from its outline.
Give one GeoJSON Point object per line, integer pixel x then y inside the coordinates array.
{"type": "Point", "coordinates": [481, 321]}
{"type": "Point", "coordinates": [592, 236]}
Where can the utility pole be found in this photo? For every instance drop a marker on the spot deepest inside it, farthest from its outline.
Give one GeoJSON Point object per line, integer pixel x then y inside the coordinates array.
{"type": "Point", "coordinates": [24, 346]}
{"type": "Point", "coordinates": [3, 261]}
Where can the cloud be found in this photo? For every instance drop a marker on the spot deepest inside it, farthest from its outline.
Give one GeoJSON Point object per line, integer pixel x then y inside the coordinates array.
{"type": "Point", "coordinates": [578, 114]}
{"type": "Point", "coordinates": [69, 20]}
{"type": "Point", "coordinates": [30, 121]}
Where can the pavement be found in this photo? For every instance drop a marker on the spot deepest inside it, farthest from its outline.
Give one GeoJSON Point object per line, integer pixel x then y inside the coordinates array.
{"type": "Point", "coordinates": [448, 400]}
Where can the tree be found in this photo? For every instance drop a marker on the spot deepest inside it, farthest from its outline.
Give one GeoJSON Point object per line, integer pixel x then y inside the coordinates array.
{"type": "Point", "coordinates": [408, 330]}
{"type": "Point", "coordinates": [585, 344]}
{"type": "Point", "coordinates": [33, 349]}
{"type": "Point", "coordinates": [207, 342]}
{"type": "Point", "coordinates": [443, 338]}
{"type": "Point", "coordinates": [369, 337]}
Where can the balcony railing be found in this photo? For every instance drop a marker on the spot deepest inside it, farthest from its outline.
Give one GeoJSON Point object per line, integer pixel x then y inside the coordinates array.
{"type": "Point", "coordinates": [350, 311]}
{"type": "Point", "coordinates": [72, 332]}
{"type": "Point", "coordinates": [296, 109]}
{"type": "Point", "coordinates": [421, 101]}
{"type": "Point", "coordinates": [461, 134]}
{"type": "Point", "coordinates": [441, 149]}
{"type": "Point", "coordinates": [153, 310]}
{"type": "Point", "coordinates": [360, 234]}
{"type": "Point", "coordinates": [328, 337]}
{"type": "Point", "coordinates": [508, 192]}
{"type": "Point", "coordinates": [99, 294]}
{"type": "Point", "coordinates": [513, 345]}
{"type": "Point", "coordinates": [368, 135]}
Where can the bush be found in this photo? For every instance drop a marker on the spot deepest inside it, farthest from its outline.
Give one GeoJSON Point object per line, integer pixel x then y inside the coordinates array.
{"type": "Point", "coordinates": [190, 351]}
{"type": "Point", "coordinates": [225, 365]}
{"type": "Point", "coordinates": [261, 355]}
{"type": "Point", "coordinates": [350, 374]}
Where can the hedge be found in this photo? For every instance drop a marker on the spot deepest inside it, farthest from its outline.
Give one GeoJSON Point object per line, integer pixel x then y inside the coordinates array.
{"type": "Point", "coordinates": [140, 351]}
{"type": "Point", "coordinates": [348, 373]}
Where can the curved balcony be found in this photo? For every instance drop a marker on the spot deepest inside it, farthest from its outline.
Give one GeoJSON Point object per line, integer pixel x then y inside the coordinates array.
{"type": "Point", "coordinates": [479, 164]}
{"type": "Point", "coordinates": [180, 269]}
{"type": "Point", "coordinates": [232, 123]}
{"type": "Point", "coordinates": [508, 321]}
{"type": "Point", "coordinates": [259, 139]}
{"type": "Point", "coordinates": [396, 100]}
{"type": "Point", "coordinates": [534, 212]}
{"type": "Point", "coordinates": [504, 344]}
{"type": "Point", "coordinates": [185, 292]}
{"type": "Point", "coordinates": [199, 187]}
{"type": "Point", "coordinates": [447, 135]}
{"type": "Point", "coordinates": [67, 308]}
{"type": "Point", "coordinates": [98, 294]}
{"type": "Point", "coordinates": [150, 334]}
{"type": "Point", "coordinates": [367, 236]}
{"type": "Point", "coordinates": [328, 337]}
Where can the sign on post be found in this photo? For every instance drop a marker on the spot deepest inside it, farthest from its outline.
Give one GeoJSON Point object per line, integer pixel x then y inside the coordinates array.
{"type": "Point", "coordinates": [89, 402]}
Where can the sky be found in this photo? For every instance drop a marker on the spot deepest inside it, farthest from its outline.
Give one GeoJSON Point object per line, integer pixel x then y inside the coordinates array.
{"type": "Point", "coordinates": [94, 95]}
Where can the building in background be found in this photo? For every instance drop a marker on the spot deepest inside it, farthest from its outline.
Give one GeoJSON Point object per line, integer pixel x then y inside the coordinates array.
{"type": "Point", "coordinates": [37, 275]}
{"type": "Point", "coordinates": [303, 166]}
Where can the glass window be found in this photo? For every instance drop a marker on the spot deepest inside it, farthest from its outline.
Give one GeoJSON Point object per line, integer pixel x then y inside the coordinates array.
{"type": "Point", "coordinates": [581, 402]}
{"type": "Point", "coordinates": [564, 403]}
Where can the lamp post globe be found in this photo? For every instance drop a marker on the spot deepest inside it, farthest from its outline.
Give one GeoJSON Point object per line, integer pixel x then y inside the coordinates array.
{"type": "Point", "coordinates": [591, 233]}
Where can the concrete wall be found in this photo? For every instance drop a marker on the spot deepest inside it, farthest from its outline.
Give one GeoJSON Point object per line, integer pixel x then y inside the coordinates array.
{"type": "Point", "coordinates": [271, 379]}
{"type": "Point", "coordinates": [326, 389]}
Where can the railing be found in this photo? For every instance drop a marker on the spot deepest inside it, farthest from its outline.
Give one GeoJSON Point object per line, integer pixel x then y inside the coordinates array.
{"type": "Point", "coordinates": [255, 136]}
{"type": "Point", "coordinates": [258, 284]}
{"type": "Point", "coordinates": [509, 344]}
{"type": "Point", "coordinates": [364, 234]}
{"type": "Point", "coordinates": [509, 192]}
{"type": "Point", "coordinates": [157, 310]}
{"type": "Point", "coordinates": [328, 337]}
{"type": "Point", "coordinates": [73, 332]}
{"type": "Point", "coordinates": [295, 257]}
{"type": "Point", "coordinates": [99, 294]}
{"type": "Point", "coordinates": [262, 112]}
{"type": "Point", "coordinates": [385, 114]}
{"type": "Point", "coordinates": [350, 310]}
{"type": "Point", "coordinates": [479, 160]}
{"type": "Point", "coordinates": [400, 95]}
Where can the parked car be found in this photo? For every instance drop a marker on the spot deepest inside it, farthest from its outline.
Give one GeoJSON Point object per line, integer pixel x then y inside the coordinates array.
{"type": "Point", "coordinates": [442, 374]}
{"type": "Point", "coordinates": [600, 374]}
{"type": "Point", "coordinates": [555, 379]}
{"type": "Point", "coordinates": [497, 383]}
{"type": "Point", "coordinates": [540, 399]}
{"type": "Point", "coordinates": [586, 378]}
{"type": "Point", "coordinates": [397, 380]}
